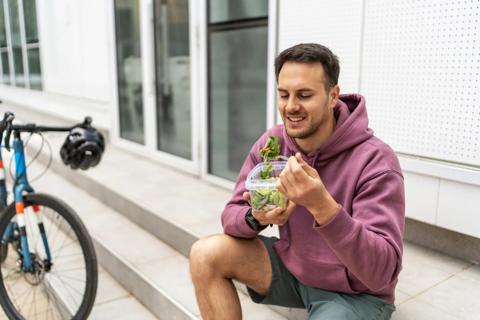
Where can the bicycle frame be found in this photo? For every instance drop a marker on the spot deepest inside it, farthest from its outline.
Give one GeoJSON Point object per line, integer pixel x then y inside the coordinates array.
{"type": "Point", "coordinates": [21, 186]}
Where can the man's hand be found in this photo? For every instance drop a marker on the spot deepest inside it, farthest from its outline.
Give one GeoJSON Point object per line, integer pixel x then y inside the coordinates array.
{"type": "Point", "coordinates": [276, 216]}
{"type": "Point", "coordinates": [301, 184]}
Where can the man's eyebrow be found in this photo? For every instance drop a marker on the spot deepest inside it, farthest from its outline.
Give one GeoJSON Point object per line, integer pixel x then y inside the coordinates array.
{"type": "Point", "coordinates": [298, 90]}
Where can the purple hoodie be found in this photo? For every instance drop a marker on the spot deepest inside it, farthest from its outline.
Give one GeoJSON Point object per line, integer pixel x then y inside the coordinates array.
{"type": "Point", "coordinates": [360, 250]}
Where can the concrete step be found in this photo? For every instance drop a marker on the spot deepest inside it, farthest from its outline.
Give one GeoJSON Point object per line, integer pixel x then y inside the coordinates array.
{"type": "Point", "coordinates": [153, 272]}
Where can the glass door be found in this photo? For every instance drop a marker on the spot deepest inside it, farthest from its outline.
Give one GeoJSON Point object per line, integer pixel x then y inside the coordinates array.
{"type": "Point", "coordinates": [129, 70]}
{"type": "Point", "coordinates": [172, 68]}
{"type": "Point", "coordinates": [237, 81]}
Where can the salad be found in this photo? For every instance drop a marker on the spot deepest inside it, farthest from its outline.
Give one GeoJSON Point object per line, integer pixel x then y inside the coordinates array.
{"type": "Point", "coordinates": [262, 180]}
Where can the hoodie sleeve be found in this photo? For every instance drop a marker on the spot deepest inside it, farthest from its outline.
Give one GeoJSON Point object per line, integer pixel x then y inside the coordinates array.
{"type": "Point", "coordinates": [233, 215]}
{"type": "Point", "coordinates": [368, 240]}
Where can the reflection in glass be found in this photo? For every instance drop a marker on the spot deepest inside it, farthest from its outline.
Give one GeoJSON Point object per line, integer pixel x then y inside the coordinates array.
{"type": "Point", "coordinates": [238, 82]}
{"type": "Point", "coordinates": [6, 68]}
{"type": "Point", "coordinates": [172, 60]}
{"type": "Point", "coordinates": [16, 44]}
{"type": "Point", "coordinates": [34, 69]}
{"type": "Point", "coordinates": [129, 70]}
{"type": "Point", "coordinates": [3, 35]}
{"type": "Point", "coordinates": [227, 10]}
{"type": "Point", "coordinates": [18, 67]}
{"type": "Point", "coordinates": [30, 13]}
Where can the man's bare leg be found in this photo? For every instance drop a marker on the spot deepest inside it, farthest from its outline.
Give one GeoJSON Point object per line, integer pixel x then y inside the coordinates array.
{"type": "Point", "coordinates": [215, 261]}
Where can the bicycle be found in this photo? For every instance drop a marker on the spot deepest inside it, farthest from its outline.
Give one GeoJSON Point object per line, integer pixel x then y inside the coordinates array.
{"type": "Point", "coordinates": [48, 262]}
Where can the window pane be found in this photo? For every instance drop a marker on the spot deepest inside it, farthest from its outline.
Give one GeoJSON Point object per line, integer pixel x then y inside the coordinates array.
{"type": "Point", "coordinates": [172, 55]}
{"type": "Point", "coordinates": [3, 35]}
{"type": "Point", "coordinates": [238, 84]}
{"type": "Point", "coordinates": [227, 10]}
{"type": "Point", "coordinates": [34, 69]}
{"type": "Point", "coordinates": [18, 67]}
{"type": "Point", "coordinates": [6, 68]}
{"type": "Point", "coordinates": [30, 21]}
{"type": "Point", "coordinates": [129, 70]}
{"type": "Point", "coordinates": [14, 22]}
{"type": "Point", "coordinates": [16, 44]}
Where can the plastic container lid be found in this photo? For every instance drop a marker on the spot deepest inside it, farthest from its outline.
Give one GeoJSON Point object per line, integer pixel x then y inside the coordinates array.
{"type": "Point", "coordinates": [254, 181]}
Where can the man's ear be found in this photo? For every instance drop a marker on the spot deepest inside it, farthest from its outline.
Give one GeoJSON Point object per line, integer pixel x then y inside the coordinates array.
{"type": "Point", "coordinates": [333, 96]}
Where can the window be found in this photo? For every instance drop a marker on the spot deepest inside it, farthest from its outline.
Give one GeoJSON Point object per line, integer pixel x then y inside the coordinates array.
{"type": "Point", "coordinates": [19, 44]}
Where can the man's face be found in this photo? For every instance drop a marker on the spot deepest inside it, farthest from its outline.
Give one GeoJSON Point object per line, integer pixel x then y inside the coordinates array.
{"type": "Point", "coordinates": [303, 102]}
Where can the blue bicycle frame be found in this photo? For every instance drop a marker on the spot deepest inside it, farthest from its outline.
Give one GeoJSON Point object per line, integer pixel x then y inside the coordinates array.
{"type": "Point", "coordinates": [20, 187]}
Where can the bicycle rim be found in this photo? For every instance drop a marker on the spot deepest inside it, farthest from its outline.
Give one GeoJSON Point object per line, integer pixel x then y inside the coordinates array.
{"type": "Point", "coordinates": [64, 290]}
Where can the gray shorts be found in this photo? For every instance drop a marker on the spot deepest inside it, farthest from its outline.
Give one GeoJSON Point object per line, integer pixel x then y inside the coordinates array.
{"type": "Point", "coordinates": [286, 291]}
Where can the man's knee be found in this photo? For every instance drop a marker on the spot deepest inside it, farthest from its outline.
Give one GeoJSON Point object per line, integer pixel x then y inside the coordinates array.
{"type": "Point", "coordinates": [206, 254]}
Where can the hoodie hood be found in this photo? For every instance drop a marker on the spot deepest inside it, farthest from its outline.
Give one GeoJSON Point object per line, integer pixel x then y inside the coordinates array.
{"type": "Point", "coordinates": [350, 130]}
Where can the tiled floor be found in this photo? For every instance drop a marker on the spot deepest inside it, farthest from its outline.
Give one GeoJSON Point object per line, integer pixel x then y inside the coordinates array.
{"type": "Point", "coordinates": [436, 286]}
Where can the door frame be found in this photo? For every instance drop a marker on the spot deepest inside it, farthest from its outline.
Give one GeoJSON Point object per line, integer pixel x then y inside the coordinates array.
{"type": "Point", "coordinates": [149, 148]}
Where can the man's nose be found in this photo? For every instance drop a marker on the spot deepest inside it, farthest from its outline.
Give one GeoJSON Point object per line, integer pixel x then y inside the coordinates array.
{"type": "Point", "coordinates": [292, 105]}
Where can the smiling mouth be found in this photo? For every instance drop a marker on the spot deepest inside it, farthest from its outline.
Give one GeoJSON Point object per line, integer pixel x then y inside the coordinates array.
{"type": "Point", "coordinates": [295, 119]}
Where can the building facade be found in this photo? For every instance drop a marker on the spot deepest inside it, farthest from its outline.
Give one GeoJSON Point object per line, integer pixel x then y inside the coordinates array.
{"type": "Point", "coordinates": [190, 83]}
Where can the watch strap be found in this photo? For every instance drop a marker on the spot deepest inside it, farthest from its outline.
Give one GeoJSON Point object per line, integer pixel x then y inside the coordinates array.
{"type": "Point", "coordinates": [252, 222]}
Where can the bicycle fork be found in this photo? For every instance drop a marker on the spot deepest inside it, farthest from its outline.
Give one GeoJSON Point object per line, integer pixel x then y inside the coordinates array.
{"type": "Point", "coordinates": [20, 213]}
{"type": "Point", "coordinates": [21, 186]}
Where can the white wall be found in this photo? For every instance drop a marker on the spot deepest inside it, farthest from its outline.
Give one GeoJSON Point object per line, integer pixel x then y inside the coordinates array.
{"type": "Point", "coordinates": [76, 60]}
{"type": "Point", "coordinates": [438, 191]}
{"type": "Point", "coordinates": [74, 48]}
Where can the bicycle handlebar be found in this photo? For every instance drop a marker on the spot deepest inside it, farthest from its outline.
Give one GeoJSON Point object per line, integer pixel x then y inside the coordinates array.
{"type": "Point", "coordinates": [8, 117]}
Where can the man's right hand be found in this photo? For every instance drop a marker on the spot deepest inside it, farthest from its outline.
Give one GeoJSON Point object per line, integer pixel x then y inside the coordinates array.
{"type": "Point", "coordinates": [276, 216]}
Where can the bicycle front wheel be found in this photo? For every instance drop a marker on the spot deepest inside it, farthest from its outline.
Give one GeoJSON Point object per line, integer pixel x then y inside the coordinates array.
{"type": "Point", "coordinates": [62, 287]}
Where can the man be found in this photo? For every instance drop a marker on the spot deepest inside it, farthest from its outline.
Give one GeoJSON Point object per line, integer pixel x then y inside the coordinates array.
{"type": "Point", "coordinates": [340, 247]}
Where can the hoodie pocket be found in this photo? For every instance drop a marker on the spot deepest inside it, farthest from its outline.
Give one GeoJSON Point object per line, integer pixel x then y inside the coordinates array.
{"type": "Point", "coordinates": [315, 272]}
{"type": "Point", "coordinates": [326, 276]}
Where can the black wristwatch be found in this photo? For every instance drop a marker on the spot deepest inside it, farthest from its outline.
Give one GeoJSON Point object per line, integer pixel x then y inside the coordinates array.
{"type": "Point", "coordinates": [252, 222]}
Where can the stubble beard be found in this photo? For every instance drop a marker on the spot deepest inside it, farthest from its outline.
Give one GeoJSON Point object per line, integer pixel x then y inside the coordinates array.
{"type": "Point", "coordinates": [311, 129]}
{"type": "Point", "coordinates": [303, 134]}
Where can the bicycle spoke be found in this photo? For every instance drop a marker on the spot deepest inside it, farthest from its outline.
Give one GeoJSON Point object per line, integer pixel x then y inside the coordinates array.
{"type": "Point", "coordinates": [54, 238]}
{"type": "Point", "coordinates": [66, 246]}
{"type": "Point", "coordinates": [69, 277]}
{"type": "Point", "coordinates": [69, 285]}
{"type": "Point", "coordinates": [29, 292]}
{"type": "Point", "coordinates": [68, 270]}
{"type": "Point", "coordinates": [69, 292]}
{"type": "Point", "coordinates": [47, 292]}
{"type": "Point", "coordinates": [32, 305]}
{"type": "Point", "coordinates": [9, 289]}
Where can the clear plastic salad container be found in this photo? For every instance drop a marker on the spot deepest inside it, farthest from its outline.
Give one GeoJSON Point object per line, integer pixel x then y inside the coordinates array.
{"type": "Point", "coordinates": [264, 194]}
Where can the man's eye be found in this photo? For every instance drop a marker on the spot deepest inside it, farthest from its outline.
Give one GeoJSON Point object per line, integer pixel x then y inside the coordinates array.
{"type": "Point", "coordinates": [283, 96]}
{"type": "Point", "coordinates": [304, 96]}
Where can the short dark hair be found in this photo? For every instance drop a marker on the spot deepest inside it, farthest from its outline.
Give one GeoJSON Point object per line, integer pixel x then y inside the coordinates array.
{"type": "Point", "coordinates": [311, 53]}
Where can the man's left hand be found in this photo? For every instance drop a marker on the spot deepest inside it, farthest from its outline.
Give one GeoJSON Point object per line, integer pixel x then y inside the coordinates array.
{"type": "Point", "coordinates": [301, 184]}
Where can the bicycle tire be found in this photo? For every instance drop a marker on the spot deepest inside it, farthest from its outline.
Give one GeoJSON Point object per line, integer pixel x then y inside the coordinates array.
{"type": "Point", "coordinates": [84, 241]}
{"type": "Point", "coordinates": [3, 252]}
